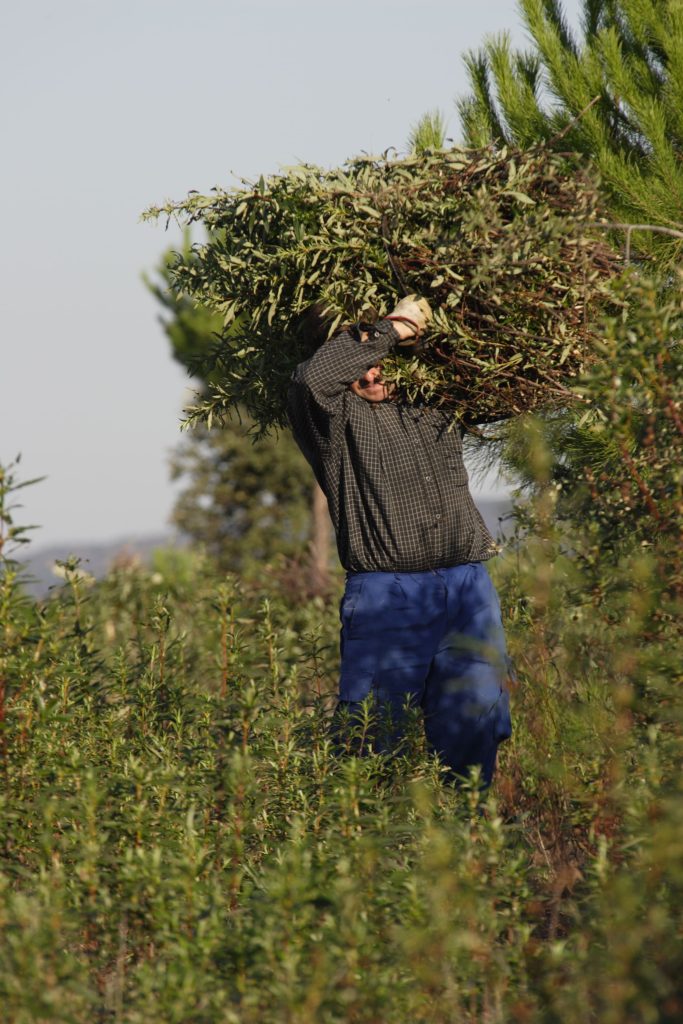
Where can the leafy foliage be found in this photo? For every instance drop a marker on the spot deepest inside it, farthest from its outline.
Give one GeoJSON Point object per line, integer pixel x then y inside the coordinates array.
{"type": "Point", "coordinates": [244, 498]}
{"type": "Point", "coordinates": [613, 95]}
{"type": "Point", "coordinates": [192, 330]}
{"type": "Point", "coordinates": [612, 476]}
{"type": "Point", "coordinates": [501, 245]}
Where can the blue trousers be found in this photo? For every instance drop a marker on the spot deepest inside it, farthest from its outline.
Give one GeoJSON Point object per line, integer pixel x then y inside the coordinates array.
{"type": "Point", "coordinates": [433, 640]}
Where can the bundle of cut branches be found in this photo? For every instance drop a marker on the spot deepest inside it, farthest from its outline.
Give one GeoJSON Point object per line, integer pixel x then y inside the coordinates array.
{"type": "Point", "coordinates": [503, 246]}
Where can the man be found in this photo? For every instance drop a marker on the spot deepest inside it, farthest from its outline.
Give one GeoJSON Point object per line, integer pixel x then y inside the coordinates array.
{"type": "Point", "coordinates": [420, 617]}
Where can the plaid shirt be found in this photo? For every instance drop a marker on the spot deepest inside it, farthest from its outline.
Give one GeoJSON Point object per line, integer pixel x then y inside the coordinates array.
{"type": "Point", "coordinates": [393, 473]}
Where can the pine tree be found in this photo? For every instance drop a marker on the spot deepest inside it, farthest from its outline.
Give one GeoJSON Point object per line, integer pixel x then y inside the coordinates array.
{"type": "Point", "coordinates": [615, 95]}
{"type": "Point", "coordinates": [191, 329]}
{"type": "Point", "coordinates": [429, 133]}
{"type": "Point", "coordinates": [245, 502]}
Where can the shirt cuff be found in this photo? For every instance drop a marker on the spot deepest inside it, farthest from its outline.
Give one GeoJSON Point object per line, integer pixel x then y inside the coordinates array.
{"type": "Point", "coordinates": [381, 329]}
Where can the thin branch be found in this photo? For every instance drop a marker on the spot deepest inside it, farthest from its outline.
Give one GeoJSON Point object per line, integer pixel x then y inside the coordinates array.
{"type": "Point", "coordinates": [642, 486]}
{"type": "Point", "coordinates": [630, 228]}
{"type": "Point", "coordinates": [575, 120]}
{"type": "Point", "coordinates": [641, 227]}
{"type": "Point", "coordinates": [405, 289]}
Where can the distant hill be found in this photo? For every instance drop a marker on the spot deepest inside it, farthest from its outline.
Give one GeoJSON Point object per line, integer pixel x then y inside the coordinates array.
{"type": "Point", "coordinates": [97, 558]}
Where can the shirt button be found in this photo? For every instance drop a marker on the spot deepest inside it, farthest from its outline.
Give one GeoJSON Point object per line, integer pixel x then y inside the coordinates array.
{"type": "Point", "coordinates": [438, 515]}
{"type": "Point", "coordinates": [428, 478]}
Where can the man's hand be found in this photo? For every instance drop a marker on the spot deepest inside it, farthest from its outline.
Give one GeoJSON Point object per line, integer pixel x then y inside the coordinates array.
{"type": "Point", "coordinates": [416, 310]}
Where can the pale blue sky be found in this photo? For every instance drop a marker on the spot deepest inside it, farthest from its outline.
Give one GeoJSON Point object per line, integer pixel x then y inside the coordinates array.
{"type": "Point", "coordinates": [111, 105]}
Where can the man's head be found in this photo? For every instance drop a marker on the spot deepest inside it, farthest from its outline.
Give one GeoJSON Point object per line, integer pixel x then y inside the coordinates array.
{"type": "Point", "coordinates": [370, 386]}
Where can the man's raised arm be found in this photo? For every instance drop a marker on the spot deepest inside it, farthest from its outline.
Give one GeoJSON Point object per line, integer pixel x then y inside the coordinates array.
{"type": "Point", "coordinates": [350, 353]}
{"type": "Point", "coordinates": [343, 359]}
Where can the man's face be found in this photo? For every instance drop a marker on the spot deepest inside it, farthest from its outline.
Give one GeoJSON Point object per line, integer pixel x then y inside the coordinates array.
{"type": "Point", "coordinates": [371, 386]}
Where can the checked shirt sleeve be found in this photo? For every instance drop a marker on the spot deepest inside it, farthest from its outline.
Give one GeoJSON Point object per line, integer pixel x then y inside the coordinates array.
{"type": "Point", "coordinates": [341, 360]}
{"type": "Point", "coordinates": [320, 386]}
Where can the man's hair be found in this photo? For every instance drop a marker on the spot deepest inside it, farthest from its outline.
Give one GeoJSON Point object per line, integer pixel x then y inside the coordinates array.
{"type": "Point", "coordinates": [313, 325]}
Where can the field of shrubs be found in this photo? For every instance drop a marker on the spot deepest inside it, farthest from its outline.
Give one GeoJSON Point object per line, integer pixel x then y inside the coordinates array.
{"type": "Point", "coordinates": [182, 841]}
